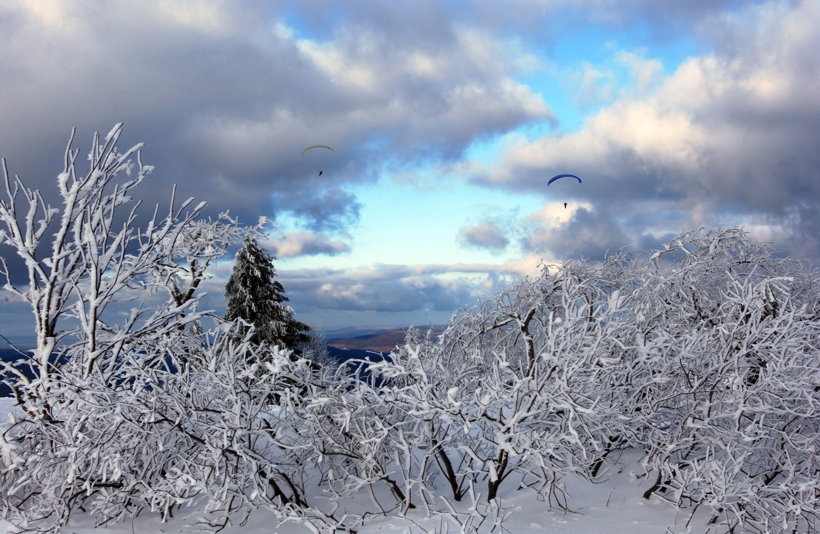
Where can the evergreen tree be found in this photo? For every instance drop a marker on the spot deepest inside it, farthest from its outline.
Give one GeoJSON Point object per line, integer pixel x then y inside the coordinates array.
{"type": "Point", "coordinates": [255, 296]}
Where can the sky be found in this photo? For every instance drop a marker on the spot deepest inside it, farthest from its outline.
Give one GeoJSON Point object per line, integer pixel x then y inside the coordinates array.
{"type": "Point", "coordinates": [446, 120]}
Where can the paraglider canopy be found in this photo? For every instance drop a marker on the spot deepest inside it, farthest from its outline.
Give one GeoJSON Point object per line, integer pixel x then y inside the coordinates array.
{"type": "Point", "coordinates": [559, 176]}
{"type": "Point", "coordinates": [317, 146]}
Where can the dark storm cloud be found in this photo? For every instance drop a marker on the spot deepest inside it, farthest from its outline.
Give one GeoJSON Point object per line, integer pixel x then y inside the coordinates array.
{"type": "Point", "coordinates": [16, 322]}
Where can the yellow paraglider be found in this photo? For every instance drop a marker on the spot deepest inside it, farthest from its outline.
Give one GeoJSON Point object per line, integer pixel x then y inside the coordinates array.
{"type": "Point", "coordinates": [317, 146]}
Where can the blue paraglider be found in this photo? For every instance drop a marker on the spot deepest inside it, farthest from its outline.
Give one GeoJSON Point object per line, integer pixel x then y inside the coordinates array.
{"type": "Point", "coordinates": [559, 176]}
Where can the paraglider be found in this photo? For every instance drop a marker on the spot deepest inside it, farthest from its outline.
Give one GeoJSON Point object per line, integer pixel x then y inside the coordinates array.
{"type": "Point", "coordinates": [559, 176]}
{"type": "Point", "coordinates": [317, 146]}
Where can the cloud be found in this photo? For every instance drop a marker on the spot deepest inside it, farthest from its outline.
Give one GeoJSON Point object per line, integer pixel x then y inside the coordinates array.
{"type": "Point", "coordinates": [587, 234]}
{"type": "Point", "coordinates": [644, 72]}
{"type": "Point", "coordinates": [660, 16]}
{"type": "Point", "coordinates": [530, 266]}
{"type": "Point", "coordinates": [334, 210]}
{"type": "Point", "coordinates": [383, 294]}
{"type": "Point", "coordinates": [487, 235]}
{"type": "Point", "coordinates": [392, 288]}
{"type": "Point", "coordinates": [736, 131]}
{"type": "Point", "coordinates": [292, 244]}
{"type": "Point", "coordinates": [226, 98]}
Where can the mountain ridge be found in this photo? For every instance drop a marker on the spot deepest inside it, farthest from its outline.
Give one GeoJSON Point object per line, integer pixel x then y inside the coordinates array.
{"type": "Point", "coordinates": [380, 341]}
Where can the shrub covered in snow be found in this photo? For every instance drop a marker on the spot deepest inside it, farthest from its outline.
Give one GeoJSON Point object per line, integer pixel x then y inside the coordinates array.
{"type": "Point", "coordinates": [733, 337]}
{"type": "Point", "coordinates": [704, 355]}
{"type": "Point", "coordinates": [146, 410]}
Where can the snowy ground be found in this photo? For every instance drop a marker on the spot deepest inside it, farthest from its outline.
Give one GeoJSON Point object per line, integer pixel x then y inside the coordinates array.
{"type": "Point", "coordinates": [612, 506]}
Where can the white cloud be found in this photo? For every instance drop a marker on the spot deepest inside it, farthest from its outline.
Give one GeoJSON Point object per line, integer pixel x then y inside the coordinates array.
{"type": "Point", "coordinates": [529, 266]}
{"type": "Point", "coordinates": [51, 13]}
{"type": "Point", "coordinates": [554, 214]}
{"type": "Point", "coordinates": [204, 16]}
{"type": "Point", "coordinates": [587, 234]}
{"type": "Point", "coordinates": [291, 244]}
{"type": "Point", "coordinates": [730, 131]}
{"type": "Point", "coordinates": [644, 72]}
{"type": "Point", "coordinates": [226, 98]}
{"type": "Point", "coordinates": [395, 288]}
{"type": "Point", "coordinates": [595, 85]}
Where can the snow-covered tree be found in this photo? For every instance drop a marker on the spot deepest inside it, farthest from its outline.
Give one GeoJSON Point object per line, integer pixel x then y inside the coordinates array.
{"type": "Point", "coordinates": [704, 355]}
{"type": "Point", "coordinates": [140, 411]}
{"type": "Point", "coordinates": [508, 390]}
{"type": "Point", "coordinates": [257, 298]}
{"type": "Point", "coordinates": [724, 378]}
{"type": "Point", "coordinates": [86, 255]}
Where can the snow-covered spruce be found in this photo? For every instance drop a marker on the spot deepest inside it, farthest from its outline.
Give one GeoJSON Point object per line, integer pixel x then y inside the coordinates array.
{"type": "Point", "coordinates": [255, 296]}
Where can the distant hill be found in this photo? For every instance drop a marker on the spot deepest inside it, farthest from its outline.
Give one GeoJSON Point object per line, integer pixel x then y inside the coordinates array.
{"type": "Point", "coordinates": [343, 355]}
{"type": "Point", "coordinates": [354, 331]}
{"type": "Point", "coordinates": [383, 341]}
